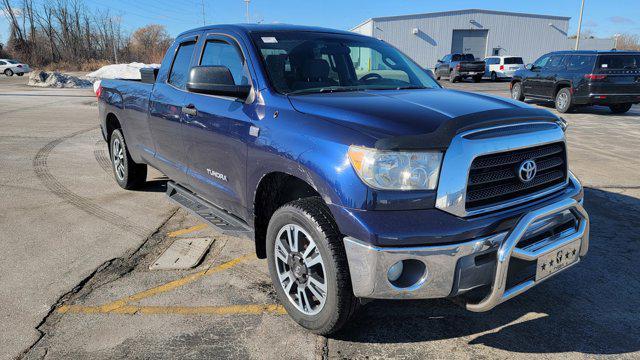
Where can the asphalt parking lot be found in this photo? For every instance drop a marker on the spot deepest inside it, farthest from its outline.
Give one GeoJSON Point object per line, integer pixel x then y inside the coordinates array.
{"type": "Point", "coordinates": [76, 250]}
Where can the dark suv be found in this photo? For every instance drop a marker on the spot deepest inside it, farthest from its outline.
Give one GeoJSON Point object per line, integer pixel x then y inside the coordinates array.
{"type": "Point", "coordinates": [571, 78]}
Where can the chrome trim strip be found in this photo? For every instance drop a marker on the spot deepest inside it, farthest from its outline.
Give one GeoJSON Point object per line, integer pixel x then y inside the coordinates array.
{"type": "Point", "coordinates": [499, 293]}
{"type": "Point", "coordinates": [454, 173]}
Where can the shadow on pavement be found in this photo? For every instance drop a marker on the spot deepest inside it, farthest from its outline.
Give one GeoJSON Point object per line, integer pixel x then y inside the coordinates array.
{"type": "Point", "coordinates": [592, 308]}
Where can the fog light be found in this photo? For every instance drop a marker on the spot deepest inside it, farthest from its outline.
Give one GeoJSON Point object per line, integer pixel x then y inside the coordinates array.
{"type": "Point", "coordinates": [395, 271]}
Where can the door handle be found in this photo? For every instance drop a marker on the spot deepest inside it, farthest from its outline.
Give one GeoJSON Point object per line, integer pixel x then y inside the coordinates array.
{"type": "Point", "coordinates": [190, 110]}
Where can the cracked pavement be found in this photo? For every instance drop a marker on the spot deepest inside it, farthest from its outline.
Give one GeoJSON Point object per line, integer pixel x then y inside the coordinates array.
{"type": "Point", "coordinates": [74, 244]}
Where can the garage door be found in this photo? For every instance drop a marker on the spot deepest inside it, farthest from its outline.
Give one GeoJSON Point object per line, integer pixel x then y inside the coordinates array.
{"type": "Point", "coordinates": [470, 42]}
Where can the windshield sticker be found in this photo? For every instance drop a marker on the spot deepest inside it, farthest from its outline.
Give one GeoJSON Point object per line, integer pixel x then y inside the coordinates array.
{"type": "Point", "coordinates": [269, 40]}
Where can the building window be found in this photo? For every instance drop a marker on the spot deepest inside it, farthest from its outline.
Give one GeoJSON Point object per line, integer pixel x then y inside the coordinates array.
{"type": "Point", "coordinates": [495, 52]}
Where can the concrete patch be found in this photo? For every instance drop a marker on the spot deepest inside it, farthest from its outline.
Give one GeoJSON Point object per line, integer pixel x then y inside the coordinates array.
{"type": "Point", "coordinates": [182, 254]}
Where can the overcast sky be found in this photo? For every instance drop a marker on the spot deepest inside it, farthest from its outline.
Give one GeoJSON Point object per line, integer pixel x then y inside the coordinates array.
{"type": "Point", "coordinates": [603, 17]}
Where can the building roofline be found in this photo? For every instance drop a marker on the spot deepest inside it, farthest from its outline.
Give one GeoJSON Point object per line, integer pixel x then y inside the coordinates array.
{"type": "Point", "coordinates": [462, 11]}
{"type": "Point", "coordinates": [362, 23]}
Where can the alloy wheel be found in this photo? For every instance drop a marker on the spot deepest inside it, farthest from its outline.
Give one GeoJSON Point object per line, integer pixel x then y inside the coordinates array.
{"type": "Point", "coordinates": [117, 153]}
{"type": "Point", "coordinates": [301, 269]}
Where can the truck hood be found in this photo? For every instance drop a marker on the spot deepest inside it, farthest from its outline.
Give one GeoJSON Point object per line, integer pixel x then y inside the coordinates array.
{"type": "Point", "coordinates": [406, 113]}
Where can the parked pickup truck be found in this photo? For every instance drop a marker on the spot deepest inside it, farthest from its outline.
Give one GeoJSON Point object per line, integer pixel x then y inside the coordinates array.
{"type": "Point", "coordinates": [353, 182]}
{"type": "Point", "coordinates": [460, 66]}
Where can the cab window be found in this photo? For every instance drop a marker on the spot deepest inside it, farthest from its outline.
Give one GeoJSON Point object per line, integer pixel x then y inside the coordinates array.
{"type": "Point", "coordinates": [218, 52]}
{"type": "Point", "coordinates": [181, 65]}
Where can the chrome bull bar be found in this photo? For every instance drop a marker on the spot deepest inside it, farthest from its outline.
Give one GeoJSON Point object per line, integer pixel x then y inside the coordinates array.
{"type": "Point", "coordinates": [499, 293]}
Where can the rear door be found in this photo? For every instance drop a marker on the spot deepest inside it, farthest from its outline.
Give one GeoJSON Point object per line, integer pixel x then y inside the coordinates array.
{"type": "Point", "coordinates": [165, 110]}
{"type": "Point", "coordinates": [216, 135]}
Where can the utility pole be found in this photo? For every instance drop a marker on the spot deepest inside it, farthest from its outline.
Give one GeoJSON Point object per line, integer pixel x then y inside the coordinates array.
{"type": "Point", "coordinates": [579, 26]}
{"type": "Point", "coordinates": [248, 17]}
{"type": "Point", "coordinates": [204, 20]}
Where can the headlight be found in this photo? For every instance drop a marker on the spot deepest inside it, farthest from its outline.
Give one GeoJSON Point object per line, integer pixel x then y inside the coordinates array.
{"type": "Point", "coordinates": [396, 170]}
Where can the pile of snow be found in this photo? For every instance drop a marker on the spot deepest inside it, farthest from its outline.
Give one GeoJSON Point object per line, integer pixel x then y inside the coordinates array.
{"type": "Point", "coordinates": [120, 71]}
{"type": "Point", "coordinates": [56, 80]}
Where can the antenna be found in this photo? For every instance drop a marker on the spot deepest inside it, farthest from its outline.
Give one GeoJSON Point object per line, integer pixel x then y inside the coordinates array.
{"type": "Point", "coordinates": [248, 17]}
{"type": "Point", "coordinates": [204, 20]}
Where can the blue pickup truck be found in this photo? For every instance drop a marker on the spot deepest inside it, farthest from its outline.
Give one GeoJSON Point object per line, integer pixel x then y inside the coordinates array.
{"type": "Point", "coordinates": [354, 172]}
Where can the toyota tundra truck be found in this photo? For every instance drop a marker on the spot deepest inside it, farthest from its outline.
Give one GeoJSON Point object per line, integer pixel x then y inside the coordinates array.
{"type": "Point", "coordinates": [356, 175]}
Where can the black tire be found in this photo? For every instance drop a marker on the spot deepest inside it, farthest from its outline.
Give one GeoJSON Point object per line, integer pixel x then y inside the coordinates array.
{"type": "Point", "coordinates": [20, 74]}
{"type": "Point", "coordinates": [620, 108]}
{"type": "Point", "coordinates": [563, 100]}
{"type": "Point", "coordinates": [437, 77]}
{"type": "Point", "coordinates": [452, 77]}
{"type": "Point", "coordinates": [477, 78]}
{"type": "Point", "coordinates": [128, 174]}
{"type": "Point", "coordinates": [313, 216]}
{"type": "Point", "coordinates": [494, 76]}
{"type": "Point", "coordinates": [516, 91]}
{"type": "Point", "coordinates": [8, 72]}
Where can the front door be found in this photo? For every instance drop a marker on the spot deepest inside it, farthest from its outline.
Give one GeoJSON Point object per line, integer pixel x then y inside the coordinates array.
{"type": "Point", "coordinates": [531, 83]}
{"type": "Point", "coordinates": [549, 74]}
{"type": "Point", "coordinates": [216, 134]}
{"type": "Point", "coordinates": [165, 112]}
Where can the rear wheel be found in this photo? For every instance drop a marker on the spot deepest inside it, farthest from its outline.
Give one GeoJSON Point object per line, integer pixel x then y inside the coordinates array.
{"type": "Point", "coordinates": [128, 174]}
{"type": "Point", "coordinates": [563, 100]}
{"type": "Point", "coordinates": [516, 91]}
{"type": "Point", "coordinates": [8, 72]}
{"type": "Point", "coordinates": [620, 108]}
{"type": "Point", "coordinates": [452, 77]}
{"type": "Point", "coordinates": [308, 266]}
{"type": "Point", "coordinates": [20, 74]}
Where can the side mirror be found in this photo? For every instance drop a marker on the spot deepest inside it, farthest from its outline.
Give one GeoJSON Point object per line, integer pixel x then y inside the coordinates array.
{"type": "Point", "coordinates": [216, 80]}
{"type": "Point", "coordinates": [529, 66]}
{"type": "Point", "coordinates": [439, 61]}
{"type": "Point", "coordinates": [430, 73]}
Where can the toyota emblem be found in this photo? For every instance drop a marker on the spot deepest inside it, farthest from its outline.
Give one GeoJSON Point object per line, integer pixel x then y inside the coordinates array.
{"type": "Point", "coordinates": [527, 170]}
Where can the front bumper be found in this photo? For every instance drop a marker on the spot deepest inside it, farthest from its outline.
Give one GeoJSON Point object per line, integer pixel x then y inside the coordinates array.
{"type": "Point", "coordinates": [438, 272]}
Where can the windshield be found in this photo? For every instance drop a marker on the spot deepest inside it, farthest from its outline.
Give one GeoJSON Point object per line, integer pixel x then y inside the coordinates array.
{"type": "Point", "coordinates": [619, 61]}
{"type": "Point", "coordinates": [312, 62]}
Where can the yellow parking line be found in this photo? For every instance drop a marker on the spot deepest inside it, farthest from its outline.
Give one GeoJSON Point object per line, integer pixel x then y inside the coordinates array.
{"type": "Point", "coordinates": [187, 230]}
{"type": "Point", "coordinates": [112, 306]}
{"type": "Point", "coordinates": [249, 309]}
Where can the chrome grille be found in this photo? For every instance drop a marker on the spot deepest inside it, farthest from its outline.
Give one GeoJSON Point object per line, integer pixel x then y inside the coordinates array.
{"type": "Point", "coordinates": [493, 178]}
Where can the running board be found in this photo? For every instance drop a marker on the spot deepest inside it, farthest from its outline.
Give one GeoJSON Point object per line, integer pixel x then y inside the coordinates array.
{"type": "Point", "coordinates": [215, 216]}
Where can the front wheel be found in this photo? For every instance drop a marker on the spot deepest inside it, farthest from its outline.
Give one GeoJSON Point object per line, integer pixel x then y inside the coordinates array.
{"type": "Point", "coordinates": [620, 108]}
{"type": "Point", "coordinates": [516, 91]}
{"type": "Point", "coordinates": [128, 174]}
{"type": "Point", "coordinates": [563, 100]}
{"type": "Point", "coordinates": [494, 76]}
{"type": "Point", "coordinates": [308, 266]}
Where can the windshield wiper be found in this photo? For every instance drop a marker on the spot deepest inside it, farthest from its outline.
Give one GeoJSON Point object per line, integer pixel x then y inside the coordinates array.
{"type": "Point", "coordinates": [325, 90]}
{"type": "Point", "coordinates": [409, 87]}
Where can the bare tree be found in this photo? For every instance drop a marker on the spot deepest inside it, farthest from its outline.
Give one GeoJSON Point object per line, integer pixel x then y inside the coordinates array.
{"type": "Point", "coordinates": [628, 42]}
{"type": "Point", "coordinates": [149, 43]}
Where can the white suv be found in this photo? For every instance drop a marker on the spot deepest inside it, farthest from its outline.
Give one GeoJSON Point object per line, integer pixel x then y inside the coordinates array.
{"type": "Point", "coordinates": [498, 67]}
{"type": "Point", "coordinates": [10, 67]}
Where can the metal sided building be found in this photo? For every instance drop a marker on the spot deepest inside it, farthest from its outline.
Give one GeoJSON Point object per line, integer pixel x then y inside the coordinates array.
{"type": "Point", "coordinates": [428, 37]}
